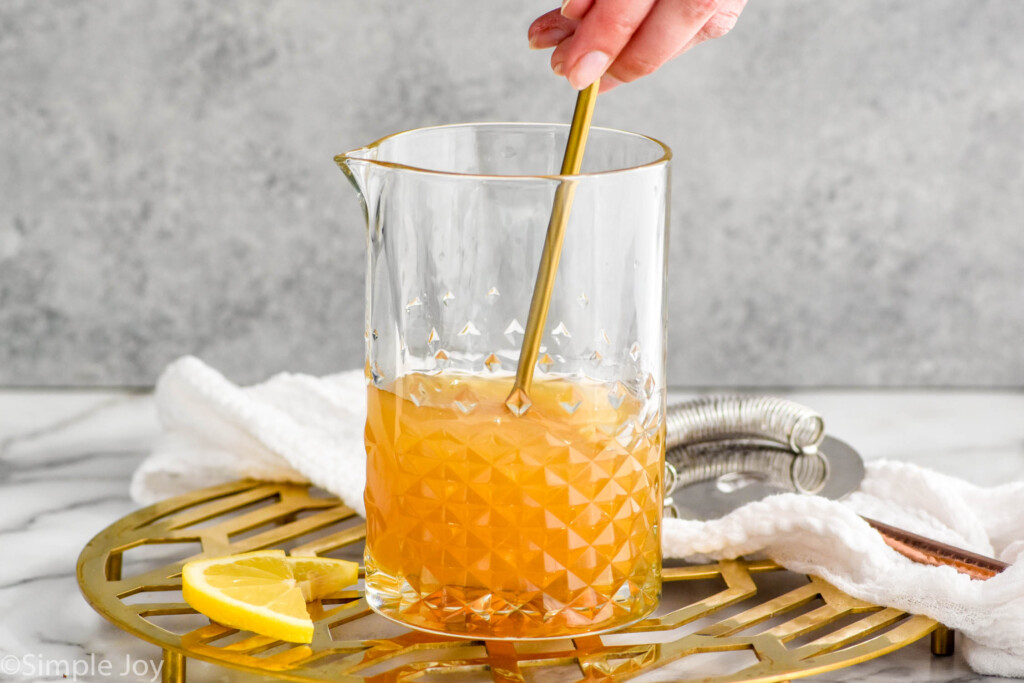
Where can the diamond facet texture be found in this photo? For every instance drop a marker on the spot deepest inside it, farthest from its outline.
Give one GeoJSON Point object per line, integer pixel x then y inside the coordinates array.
{"type": "Point", "coordinates": [469, 328]}
{"type": "Point", "coordinates": [493, 363]}
{"type": "Point", "coordinates": [518, 402]}
{"type": "Point", "coordinates": [545, 362]}
{"type": "Point", "coordinates": [484, 523]}
{"type": "Point", "coordinates": [514, 332]}
{"type": "Point", "coordinates": [561, 333]}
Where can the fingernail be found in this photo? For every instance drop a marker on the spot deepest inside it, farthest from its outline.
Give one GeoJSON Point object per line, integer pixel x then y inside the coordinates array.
{"type": "Point", "coordinates": [548, 38]}
{"type": "Point", "coordinates": [565, 3]}
{"type": "Point", "coordinates": [559, 69]}
{"type": "Point", "coordinates": [588, 69]}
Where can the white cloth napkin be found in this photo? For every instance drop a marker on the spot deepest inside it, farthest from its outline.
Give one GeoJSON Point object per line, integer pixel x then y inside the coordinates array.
{"type": "Point", "coordinates": [302, 428]}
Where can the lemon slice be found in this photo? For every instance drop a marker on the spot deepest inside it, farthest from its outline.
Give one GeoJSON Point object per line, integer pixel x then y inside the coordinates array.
{"type": "Point", "coordinates": [264, 592]}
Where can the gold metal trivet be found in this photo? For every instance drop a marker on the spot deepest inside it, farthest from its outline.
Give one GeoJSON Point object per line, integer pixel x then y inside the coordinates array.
{"type": "Point", "coordinates": [731, 621]}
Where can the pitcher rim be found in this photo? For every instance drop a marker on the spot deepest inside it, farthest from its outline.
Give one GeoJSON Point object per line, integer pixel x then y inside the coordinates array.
{"type": "Point", "coordinates": [352, 155]}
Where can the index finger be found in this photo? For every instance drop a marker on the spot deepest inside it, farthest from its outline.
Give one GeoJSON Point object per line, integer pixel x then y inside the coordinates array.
{"type": "Point", "coordinates": [601, 35]}
{"type": "Point", "coordinates": [670, 26]}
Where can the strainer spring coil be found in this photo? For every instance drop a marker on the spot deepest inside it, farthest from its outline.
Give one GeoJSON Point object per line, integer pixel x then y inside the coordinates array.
{"type": "Point", "coordinates": [717, 418]}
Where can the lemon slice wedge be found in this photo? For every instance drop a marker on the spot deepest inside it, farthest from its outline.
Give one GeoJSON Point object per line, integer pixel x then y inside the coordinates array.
{"type": "Point", "coordinates": [264, 592]}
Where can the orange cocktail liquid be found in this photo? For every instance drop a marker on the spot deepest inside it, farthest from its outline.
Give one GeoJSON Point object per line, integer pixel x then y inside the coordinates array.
{"type": "Point", "coordinates": [487, 524]}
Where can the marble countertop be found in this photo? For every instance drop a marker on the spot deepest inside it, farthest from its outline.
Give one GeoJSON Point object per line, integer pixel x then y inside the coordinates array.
{"type": "Point", "coordinates": [66, 458]}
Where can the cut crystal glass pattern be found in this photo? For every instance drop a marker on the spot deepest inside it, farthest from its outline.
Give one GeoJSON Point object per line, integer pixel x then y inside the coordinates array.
{"type": "Point", "coordinates": [543, 526]}
{"type": "Point", "coordinates": [514, 332]}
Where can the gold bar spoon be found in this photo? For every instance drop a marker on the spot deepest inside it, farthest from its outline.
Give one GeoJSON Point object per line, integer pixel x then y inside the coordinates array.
{"type": "Point", "coordinates": [518, 400]}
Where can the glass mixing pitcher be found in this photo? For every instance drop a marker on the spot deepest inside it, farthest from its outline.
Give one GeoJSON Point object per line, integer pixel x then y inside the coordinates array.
{"type": "Point", "coordinates": [539, 520]}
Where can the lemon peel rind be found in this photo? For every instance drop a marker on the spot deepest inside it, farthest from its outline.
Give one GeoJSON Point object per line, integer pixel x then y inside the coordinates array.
{"type": "Point", "coordinates": [213, 603]}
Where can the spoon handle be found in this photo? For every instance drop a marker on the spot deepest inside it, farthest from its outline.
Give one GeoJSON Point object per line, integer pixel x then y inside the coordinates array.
{"type": "Point", "coordinates": [518, 400]}
{"type": "Point", "coordinates": [928, 551]}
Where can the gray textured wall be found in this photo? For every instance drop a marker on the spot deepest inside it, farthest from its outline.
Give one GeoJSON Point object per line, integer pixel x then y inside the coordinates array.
{"type": "Point", "coordinates": [848, 190]}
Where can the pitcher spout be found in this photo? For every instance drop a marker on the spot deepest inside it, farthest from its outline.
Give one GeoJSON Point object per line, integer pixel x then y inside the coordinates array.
{"type": "Point", "coordinates": [362, 170]}
{"type": "Point", "coordinates": [357, 166]}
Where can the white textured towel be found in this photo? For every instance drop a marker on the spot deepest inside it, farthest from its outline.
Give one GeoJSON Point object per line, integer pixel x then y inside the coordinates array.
{"type": "Point", "coordinates": [302, 428]}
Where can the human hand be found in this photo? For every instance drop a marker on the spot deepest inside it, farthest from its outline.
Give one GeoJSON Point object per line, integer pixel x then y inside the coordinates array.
{"type": "Point", "coordinates": [622, 40]}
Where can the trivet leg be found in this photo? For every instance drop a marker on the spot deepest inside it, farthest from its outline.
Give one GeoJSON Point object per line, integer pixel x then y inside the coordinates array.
{"type": "Point", "coordinates": [943, 641]}
{"type": "Point", "coordinates": [174, 667]}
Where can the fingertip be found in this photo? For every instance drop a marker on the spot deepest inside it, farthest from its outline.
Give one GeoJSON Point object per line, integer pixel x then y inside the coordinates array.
{"type": "Point", "coordinates": [548, 30]}
{"type": "Point", "coordinates": [588, 69]}
{"type": "Point", "coordinates": [548, 20]}
{"type": "Point", "coordinates": [558, 56]}
{"type": "Point", "coordinates": [550, 37]}
{"type": "Point", "coordinates": [574, 9]}
{"type": "Point", "coordinates": [608, 82]}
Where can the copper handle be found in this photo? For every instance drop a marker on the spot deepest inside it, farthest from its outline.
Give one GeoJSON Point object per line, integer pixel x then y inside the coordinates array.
{"type": "Point", "coordinates": [927, 551]}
